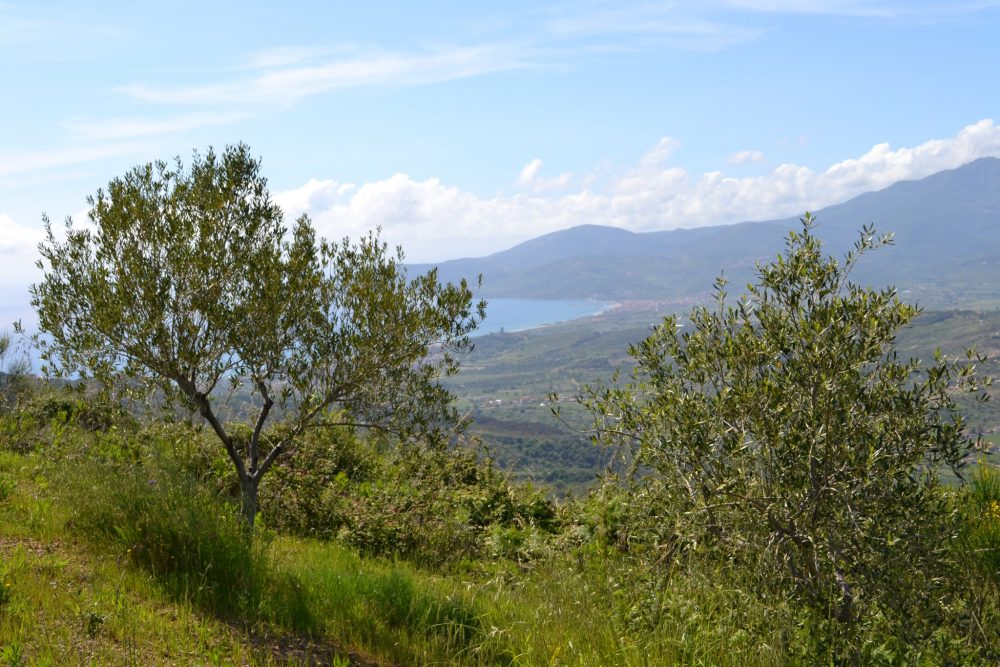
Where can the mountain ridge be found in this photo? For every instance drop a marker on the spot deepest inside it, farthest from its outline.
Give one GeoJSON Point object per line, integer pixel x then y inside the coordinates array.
{"type": "Point", "coordinates": [946, 227]}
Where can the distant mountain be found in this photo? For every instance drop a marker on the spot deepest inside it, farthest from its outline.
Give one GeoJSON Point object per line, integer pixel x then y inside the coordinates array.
{"type": "Point", "coordinates": [946, 227]}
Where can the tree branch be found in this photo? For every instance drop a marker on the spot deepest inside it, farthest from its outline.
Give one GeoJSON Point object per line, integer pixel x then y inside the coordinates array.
{"type": "Point", "coordinates": [261, 418]}
{"type": "Point", "coordinates": [205, 410]}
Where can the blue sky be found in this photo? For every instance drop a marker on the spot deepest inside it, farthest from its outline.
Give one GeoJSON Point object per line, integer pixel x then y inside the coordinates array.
{"type": "Point", "coordinates": [462, 128]}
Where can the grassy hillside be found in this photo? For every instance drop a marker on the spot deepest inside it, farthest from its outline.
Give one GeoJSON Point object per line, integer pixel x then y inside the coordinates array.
{"type": "Point", "coordinates": [120, 546]}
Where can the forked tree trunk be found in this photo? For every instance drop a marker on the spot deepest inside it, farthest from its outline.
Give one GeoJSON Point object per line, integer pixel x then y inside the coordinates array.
{"type": "Point", "coordinates": [249, 478]}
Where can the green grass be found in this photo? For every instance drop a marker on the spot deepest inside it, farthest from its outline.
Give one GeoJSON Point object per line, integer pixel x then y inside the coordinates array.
{"type": "Point", "coordinates": [65, 602]}
{"type": "Point", "coordinates": [388, 609]}
{"type": "Point", "coordinates": [115, 572]}
{"type": "Point", "coordinates": [194, 547]}
{"type": "Point", "coordinates": [113, 554]}
{"type": "Point", "coordinates": [982, 538]}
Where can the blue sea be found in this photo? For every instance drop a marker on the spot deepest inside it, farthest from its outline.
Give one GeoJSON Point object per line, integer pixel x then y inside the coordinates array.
{"type": "Point", "coordinates": [501, 315]}
{"type": "Point", "coordinates": [520, 314]}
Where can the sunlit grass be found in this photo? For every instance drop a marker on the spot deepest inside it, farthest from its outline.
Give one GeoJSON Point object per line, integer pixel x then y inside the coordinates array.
{"type": "Point", "coordinates": [99, 576]}
{"type": "Point", "coordinates": [112, 560]}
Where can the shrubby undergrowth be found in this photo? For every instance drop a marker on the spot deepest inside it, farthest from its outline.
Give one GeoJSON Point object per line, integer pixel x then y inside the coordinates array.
{"type": "Point", "coordinates": [539, 577]}
{"type": "Point", "coordinates": [150, 494]}
{"type": "Point", "coordinates": [590, 580]}
{"type": "Point", "coordinates": [436, 507]}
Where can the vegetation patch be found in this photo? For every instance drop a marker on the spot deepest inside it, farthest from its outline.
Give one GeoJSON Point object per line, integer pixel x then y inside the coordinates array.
{"type": "Point", "coordinates": [776, 496]}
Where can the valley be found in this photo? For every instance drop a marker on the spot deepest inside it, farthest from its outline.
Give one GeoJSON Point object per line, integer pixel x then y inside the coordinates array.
{"type": "Point", "coordinates": [506, 381]}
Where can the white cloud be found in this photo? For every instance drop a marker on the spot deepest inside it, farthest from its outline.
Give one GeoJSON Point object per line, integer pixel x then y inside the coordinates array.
{"type": "Point", "coordinates": [659, 153]}
{"type": "Point", "coordinates": [434, 221]}
{"type": "Point", "coordinates": [650, 176]}
{"type": "Point", "coordinates": [843, 7]}
{"type": "Point", "coordinates": [882, 166]}
{"type": "Point", "coordinates": [313, 196]}
{"type": "Point", "coordinates": [51, 36]}
{"type": "Point", "coordinates": [662, 24]}
{"type": "Point", "coordinates": [286, 85]}
{"type": "Point", "coordinates": [18, 252]}
{"type": "Point", "coordinates": [529, 172]}
{"type": "Point", "coordinates": [743, 157]}
{"type": "Point", "coordinates": [130, 128]}
{"type": "Point", "coordinates": [16, 239]}
{"type": "Point", "coordinates": [547, 37]}
{"type": "Point", "coordinates": [529, 178]}
{"type": "Point", "coordinates": [884, 9]}
{"type": "Point", "coordinates": [282, 56]}
{"type": "Point", "coordinates": [18, 162]}
{"type": "Point", "coordinates": [713, 25]}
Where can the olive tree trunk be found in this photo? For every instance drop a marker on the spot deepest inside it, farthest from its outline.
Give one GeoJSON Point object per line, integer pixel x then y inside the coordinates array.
{"type": "Point", "coordinates": [248, 500]}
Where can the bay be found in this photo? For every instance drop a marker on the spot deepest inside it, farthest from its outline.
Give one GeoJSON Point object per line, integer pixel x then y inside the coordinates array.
{"type": "Point", "coordinates": [520, 314]}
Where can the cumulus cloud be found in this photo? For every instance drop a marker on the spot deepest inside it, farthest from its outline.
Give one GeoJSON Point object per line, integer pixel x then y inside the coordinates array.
{"type": "Point", "coordinates": [315, 195]}
{"type": "Point", "coordinates": [882, 166]}
{"type": "Point", "coordinates": [529, 178]}
{"type": "Point", "coordinates": [743, 157]}
{"type": "Point", "coordinates": [429, 218]}
{"type": "Point", "coordinates": [435, 221]}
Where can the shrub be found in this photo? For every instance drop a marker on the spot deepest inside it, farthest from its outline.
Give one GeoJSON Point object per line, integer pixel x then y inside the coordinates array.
{"type": "Point", "coordinates": [48, 413]}
{"type": "Point", "coordinates": [432, 506]}
{"type": "Point", "coordinates": [783, 435]}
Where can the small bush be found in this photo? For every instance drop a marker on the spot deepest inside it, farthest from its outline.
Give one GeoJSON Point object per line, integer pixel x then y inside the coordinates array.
{"type": "Point", "coordinates": [433, 507]}
{"type": "Point", "coordinates": [44, 418]}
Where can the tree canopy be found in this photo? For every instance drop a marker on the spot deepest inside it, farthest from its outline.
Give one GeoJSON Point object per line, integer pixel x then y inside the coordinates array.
{"type": "Point", "coordinates": [186, 280]}
{"type": "Point", "coordinates": [785, 431]}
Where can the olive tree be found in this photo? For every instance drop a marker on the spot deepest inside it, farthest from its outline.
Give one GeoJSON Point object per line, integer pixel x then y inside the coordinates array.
{"type": "Point", "coordinates": [784, 429]}
{"type": "Point", "coordinates": [187, 280]}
